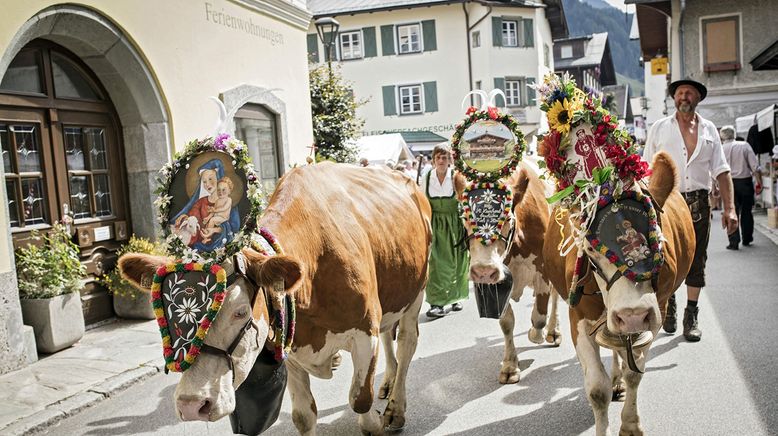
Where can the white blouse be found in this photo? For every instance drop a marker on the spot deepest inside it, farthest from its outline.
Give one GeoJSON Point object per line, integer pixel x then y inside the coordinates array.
{"type": "Point", "coordinates": [706, 162]}
{"type": "Point", "coordinates": [437, 189]}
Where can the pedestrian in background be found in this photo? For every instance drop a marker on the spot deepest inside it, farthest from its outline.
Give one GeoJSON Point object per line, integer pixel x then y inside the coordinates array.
{"type": "Point", "coordinates": [449, 265]}
{"type": "Point", "coordinates": [743, 167]}
{"type": "Point", "coordinates": [364, 162]}
{"type": "Point", "coordinates": [693, 144]}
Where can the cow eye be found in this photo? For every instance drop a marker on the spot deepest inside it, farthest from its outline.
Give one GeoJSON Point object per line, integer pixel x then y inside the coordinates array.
{"type": "Point", "coordinates": [241, 313]}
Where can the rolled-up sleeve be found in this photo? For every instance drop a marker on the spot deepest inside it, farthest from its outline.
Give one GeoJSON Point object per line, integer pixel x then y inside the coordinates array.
{"type": "Point", "coordinates": [718, 163]}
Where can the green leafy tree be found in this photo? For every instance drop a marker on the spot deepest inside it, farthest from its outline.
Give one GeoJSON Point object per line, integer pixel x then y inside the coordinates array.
{"type": "Point", "coordinates": [335, 121]}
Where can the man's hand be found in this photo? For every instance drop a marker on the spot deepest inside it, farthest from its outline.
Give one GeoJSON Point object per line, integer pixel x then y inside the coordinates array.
{"type": "Point", "coordinates": [729, 221]}
{"type": "Point", "coordinates": [758, 188]}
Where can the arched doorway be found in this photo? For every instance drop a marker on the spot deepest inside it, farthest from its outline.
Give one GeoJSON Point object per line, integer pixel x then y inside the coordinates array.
{"type": "Point", "coordinates": [63, 156]}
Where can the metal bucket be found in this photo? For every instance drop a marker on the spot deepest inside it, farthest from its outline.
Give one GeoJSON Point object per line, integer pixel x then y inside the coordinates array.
{"type": "Point", "coordinates": [492, 299]}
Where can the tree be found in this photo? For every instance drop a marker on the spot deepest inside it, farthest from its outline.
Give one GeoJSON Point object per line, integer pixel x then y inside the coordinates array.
{"type": "Point", "coordinates": [335, 121]}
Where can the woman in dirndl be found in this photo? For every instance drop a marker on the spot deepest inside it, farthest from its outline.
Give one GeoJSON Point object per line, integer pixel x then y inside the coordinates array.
{"type": "Point", "coordinates": [449, 264]}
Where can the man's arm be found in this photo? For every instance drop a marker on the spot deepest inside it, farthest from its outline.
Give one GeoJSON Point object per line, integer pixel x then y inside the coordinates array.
{"type": "Point", "coordinates": [729, 216]}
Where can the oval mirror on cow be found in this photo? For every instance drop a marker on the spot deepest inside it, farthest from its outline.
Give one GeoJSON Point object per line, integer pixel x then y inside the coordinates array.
{"type": "Point", "coordinates": [241, 316]}
{"type": "Point", "coordinates": [616, 249]}
{"type": "Point", "coordinates": [503, 207]}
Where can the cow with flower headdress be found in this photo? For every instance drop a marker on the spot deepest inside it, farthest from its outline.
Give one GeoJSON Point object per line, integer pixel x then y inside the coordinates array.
{"type": "Point", "coordinates": [616, 248]}
{"type": "Point", "coordinates": [335, 260]}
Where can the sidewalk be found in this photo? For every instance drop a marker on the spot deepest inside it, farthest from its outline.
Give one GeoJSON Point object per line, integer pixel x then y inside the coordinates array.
{"type": "Point", "coordinates": [107, 360]}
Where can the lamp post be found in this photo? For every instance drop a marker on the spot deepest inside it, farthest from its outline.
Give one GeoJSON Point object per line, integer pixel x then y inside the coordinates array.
{"type": "Point", "coordinates": [327, 28]}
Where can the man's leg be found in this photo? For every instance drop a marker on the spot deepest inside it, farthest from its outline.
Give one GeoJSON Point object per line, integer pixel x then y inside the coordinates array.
{"type": "Point", "coordinates": [746, 213]}
{"type": "Point", "coordinates": [695, 280]}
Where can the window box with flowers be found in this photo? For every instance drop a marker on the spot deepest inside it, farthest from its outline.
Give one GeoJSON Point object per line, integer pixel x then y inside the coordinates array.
{"type": "Point", "coordinates": [128, 301]}
{"type": "Point", "coordinates": [50, 277]}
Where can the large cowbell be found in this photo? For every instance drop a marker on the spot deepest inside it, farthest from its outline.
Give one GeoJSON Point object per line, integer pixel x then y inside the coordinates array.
{"type": "Point", "coordinates": [621, 231]}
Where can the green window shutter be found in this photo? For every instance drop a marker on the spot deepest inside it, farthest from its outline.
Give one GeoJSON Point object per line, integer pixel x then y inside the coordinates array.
{"type": "Point", "coordinates": [390, 102]}
{"type": "Point", "coordinates": [531, 95]}
{"type": "Point", "coordinates": [313, 48]}
{"type": "Point", "coordinates": [387, 40]}
{"type": "Point", "coordinates": [428, 33]}
{"type": "Point", "coordinates": [499, 83]}
{"type": "Point", "coordinates": [497, 31]}
{"type": "Point", "coordinates": [370, 44]}
{"type": "Point", "coordinates": [430, 97]}
{"type": "Point", "coordinates": [529, 32]}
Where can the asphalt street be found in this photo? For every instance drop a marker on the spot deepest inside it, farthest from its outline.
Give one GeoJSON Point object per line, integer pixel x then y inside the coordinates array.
{"type": "Point", "coordinates": [724, 385]}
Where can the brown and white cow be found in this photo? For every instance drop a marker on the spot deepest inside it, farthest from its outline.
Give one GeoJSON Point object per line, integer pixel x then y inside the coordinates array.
{"type": "Point", "coordinates": [524, 259]}
{"type": "Point", "coordinates": [624, 299]}
{"type": "Point", "coordinates": [356, 243]}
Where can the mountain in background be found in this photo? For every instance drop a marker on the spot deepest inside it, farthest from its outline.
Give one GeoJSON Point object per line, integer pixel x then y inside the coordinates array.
{"type": "Point", "coordinates": [596, 16]}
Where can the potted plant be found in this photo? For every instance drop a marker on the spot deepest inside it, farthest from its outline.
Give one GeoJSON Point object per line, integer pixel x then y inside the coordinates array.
{"type": "Point", "coordinates": [50, 277]}
{"type": "Point", "coordinates": [129, 302]}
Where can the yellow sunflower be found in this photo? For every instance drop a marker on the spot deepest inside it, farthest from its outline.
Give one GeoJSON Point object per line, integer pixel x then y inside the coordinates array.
{"type": "Point", "coordinates": [559, 116]}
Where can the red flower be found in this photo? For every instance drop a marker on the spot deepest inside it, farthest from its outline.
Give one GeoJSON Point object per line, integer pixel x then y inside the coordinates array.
{"type": "Point", "coordinates": [493, 113]}
{"type": "Point", "coordinates": [215, 268]}
{"type": "Point", "coordinates": [471, 110]}
{"type": "Point", "coordinates": [189, 267]}
{"type": "Point", "coordinates": [162, 271]}
{"type": "Point", "coordinates": [607, 118]}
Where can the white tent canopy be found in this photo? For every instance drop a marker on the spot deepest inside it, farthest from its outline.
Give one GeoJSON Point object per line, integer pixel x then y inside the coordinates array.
{"type": "Point", "coordinates": [380, 148]}
{"type": "Point", "coordinates": [763, 118]}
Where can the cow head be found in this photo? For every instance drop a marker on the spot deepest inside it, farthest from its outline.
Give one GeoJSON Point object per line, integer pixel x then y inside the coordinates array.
{"type": "Point", "coordinates": [206, 390]}
{"type": "Point", "coordinates": [487, 260]}
{"type": "Point", "coordinates": [624, 255]}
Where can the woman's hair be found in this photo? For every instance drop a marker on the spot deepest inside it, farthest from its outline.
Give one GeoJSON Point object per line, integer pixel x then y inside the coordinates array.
{"type": "Point", "coordinates": [440, 149]}
{"type": "Point", "coordinates": [226, 181]}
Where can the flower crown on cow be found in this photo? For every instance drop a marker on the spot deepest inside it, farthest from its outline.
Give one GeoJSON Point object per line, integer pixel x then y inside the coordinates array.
{"type": "Point", "coordinates": [595, 166]}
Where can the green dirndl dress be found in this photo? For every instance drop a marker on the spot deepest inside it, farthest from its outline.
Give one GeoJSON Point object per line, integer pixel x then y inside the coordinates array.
{"type": "Point", "coordinates": [449, 265]}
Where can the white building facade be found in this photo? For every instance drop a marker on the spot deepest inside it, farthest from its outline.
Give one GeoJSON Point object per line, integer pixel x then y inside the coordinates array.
{"type": "Point", "coordinates": [415, 62]}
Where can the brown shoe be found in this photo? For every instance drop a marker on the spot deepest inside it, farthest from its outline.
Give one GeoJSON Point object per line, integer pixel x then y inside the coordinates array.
{"type": "Point", "coordinates": [691, 330]}
{"type": "Point", "coordinates": [671, 321]}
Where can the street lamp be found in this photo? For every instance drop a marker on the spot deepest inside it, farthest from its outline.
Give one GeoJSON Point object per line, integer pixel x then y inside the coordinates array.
{"type": "Point", "coordinates": [327, 28]}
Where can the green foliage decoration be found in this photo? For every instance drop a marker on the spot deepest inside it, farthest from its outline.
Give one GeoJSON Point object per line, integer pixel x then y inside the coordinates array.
{"type": "Point", "coordinates": [50, 266]}
{"type": "Point", "coordinates": [335, 122]}
{"type": "Point", "coordinates": [113, 280]}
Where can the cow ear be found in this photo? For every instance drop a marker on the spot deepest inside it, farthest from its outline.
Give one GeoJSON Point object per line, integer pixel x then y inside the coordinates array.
{"type": "Point", "coordinates": [139, 268]}
{"type": "Point", "coordinates": [267, 270]}
{"type": "Point", "coordinates": [664, 177]}
{"type": "Point", "coordinates": [459, 183]}
{"type": "Point", "coordinates": [519, 183]}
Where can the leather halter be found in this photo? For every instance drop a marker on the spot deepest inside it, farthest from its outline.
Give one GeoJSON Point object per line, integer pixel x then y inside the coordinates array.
{"type": "Point", "coordinates": [239, 271]}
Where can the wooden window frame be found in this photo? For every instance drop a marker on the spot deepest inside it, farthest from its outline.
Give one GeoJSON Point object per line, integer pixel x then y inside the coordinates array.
{"type": "Point", "coordinates": [721, 66]}
{"type": "Point", "coordinates": [360, 41]}
{"type": "Point", "coordinates": [398, 29]}
{"type": "Point", "coordinates": [513, 85]}
{"type": "Point", "coordinates": [506, 23]}
{"type": "Point", "coordinates": [400, 88]}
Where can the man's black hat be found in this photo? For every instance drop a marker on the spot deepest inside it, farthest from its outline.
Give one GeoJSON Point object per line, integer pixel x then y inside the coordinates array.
{"type": "Point", "coordinates": [697, 85]}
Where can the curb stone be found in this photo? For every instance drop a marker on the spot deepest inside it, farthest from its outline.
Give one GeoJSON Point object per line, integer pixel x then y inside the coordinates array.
{"type": "Point", "coordinates": [40, 421]}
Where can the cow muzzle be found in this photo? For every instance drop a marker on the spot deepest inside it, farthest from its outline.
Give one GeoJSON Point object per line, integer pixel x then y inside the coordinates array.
{"type": "Point", "coordinates": [194, 409]}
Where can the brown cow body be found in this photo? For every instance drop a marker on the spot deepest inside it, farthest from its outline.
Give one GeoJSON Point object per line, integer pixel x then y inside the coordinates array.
{"type": "Point", "coordinates": [678, 247]}
{"type": "Point", "coordinates": [356, 244]}
{"type": "Point", "coordinates": [524, 260]}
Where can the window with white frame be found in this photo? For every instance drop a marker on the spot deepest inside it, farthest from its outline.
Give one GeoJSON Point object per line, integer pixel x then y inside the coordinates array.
{"type": "Point", "coordinates": [510, 31]}
{"type": "Point", "coordinates": [409, 38]}
{"type": "Point", "coordinates": [351, 45]}
{"type": "Point", "coordinates": [513, 92]}
{"type": "Point", "coordinates": [410, 99]}
{"type": "Point", "coordinates": [566, 51]}
{"type": "Point", "coordinates": [476, 39]}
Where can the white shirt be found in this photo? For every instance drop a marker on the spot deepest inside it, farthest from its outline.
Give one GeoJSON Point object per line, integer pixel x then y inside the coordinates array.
{"type": "Point", "coordinates": [706, 162]}
{"type": "Point", "coordinates": [741, 159]}
{"type": "Point", "coordinates": [437, 189]}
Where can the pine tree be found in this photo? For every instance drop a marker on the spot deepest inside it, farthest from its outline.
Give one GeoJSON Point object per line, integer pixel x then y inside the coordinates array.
{"type": "Point", "coordinates": [335, 122]}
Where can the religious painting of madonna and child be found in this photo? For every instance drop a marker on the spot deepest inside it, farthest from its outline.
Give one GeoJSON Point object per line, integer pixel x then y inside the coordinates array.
{"type": "Point", "coordinates": [209, 201]}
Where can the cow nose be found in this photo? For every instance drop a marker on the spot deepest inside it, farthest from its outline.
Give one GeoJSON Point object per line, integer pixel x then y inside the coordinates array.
{"type": "Point", "coordinates": [632, 320]}
{"type": "Point", "coordinates": [484, 274]}
{"type": "Point", "coordinates": [194, 410]}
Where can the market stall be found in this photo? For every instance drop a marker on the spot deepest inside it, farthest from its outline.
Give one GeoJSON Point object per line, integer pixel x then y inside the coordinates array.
{"type": "Point", "coordinates": [759, 129]}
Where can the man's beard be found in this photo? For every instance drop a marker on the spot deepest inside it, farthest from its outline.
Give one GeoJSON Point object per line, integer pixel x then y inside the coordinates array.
{"type": "Point", "coordinates": [686, 108]}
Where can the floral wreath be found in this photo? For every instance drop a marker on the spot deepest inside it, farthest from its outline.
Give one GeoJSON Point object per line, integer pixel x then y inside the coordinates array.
{"type": "Point", "coordinates": [473, 115]}
{"type": "Point", "coordinates": [238, 152]}
{"type": "Point", "coordinates": [486, 235]}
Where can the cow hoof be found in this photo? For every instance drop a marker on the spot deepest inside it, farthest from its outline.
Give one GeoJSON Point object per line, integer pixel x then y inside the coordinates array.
{"type": "Point", "coordinates": [535, 335]}
{"type": "Point", "coordinates": [554, 337]}
{"type": "Point", "coordinates": [509, 377]}
{"type": "Point", "coordinates": [336, 360]}
{"type": "Point", "coordinates": [370, 423]}
{"type": "Point", "coordinates": [632, 430]}
{"type": "Point", "coordinates": [394, 420]}
{"type": "Point", "coordinates": [618, 392]}
{"type": "Point", "coordinates": [385, 390]}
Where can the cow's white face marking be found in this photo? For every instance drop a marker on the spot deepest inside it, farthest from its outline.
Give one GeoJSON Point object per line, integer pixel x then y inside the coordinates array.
{"type": "Point", "coordinates": [210, 378]}
{"type": "Point", "coordinates": [486, 261]}
{"type": "Point", "coordinates": [631, 306]}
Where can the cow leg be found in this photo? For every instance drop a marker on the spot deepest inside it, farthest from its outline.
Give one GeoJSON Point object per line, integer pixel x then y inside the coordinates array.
{"type": "Point", "coordinates": [539, 314]}
{"type": "Point", "coordinates": [387, 338]}
{"type": "Point", "coordinates": [303, 405]}
{"type": "Point", "coordinates": [616, 377]}
{"type": "Point", "coordinates": [407, 339]}
{"type": "Point", "coordinates": [596, 381]}
{"type": "Point", "coordinates": [364, 354]}
{"type": "Point", "coordinates": [553, 334]}
{"type": "Point", "coordinates": [509, 372]}
{"type": "Point", "coordinates": [630, 421]}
